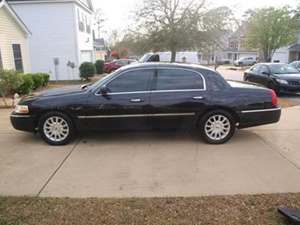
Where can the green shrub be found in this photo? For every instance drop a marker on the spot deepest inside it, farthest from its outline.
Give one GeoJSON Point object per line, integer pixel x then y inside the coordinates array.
{"type": "Point", "coordinates": [10, 81]}
{"type": "Point", "coordinates": [99, 66]}
{"type": "Point", "coordinates": [46, 78]}
{"type": "Point", "coordinates": [27, 85]}
{"type": "Point", "coordinates": [87, 70]}
{"type": "Point", "coordinates": [38, 80]}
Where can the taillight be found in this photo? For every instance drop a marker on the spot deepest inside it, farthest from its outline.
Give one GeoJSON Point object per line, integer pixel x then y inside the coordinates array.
{"type": "Point", "coordinates": [274, 98]}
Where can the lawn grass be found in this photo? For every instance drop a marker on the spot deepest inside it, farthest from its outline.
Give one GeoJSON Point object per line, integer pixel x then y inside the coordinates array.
{"type": "Point", "coordinates": [220, 210]}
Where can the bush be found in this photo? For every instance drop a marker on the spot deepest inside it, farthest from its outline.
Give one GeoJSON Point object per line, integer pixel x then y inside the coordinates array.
{"type": "Point", "coordinates": [87, 70]}
{"type": "Point", "coordinates": [38, 80]}
{"type": "Point", "coordinates": [46, 78]}
{"type": "Point", "coordinates": [99, 66]}
{"type": "Point", "coordinates": [27, 85]}
{"type": "Point", "coordinates": [10, 81]}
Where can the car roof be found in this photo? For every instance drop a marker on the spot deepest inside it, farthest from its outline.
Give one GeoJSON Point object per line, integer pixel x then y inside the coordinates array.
{"type": "Point", "coordinates": [169, 65]}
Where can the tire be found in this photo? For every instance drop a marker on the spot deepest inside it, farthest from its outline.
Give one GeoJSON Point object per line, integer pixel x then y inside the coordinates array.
{"type": "Point", "coordinates": [56, 128]}
{"type": "Point", "coordinates": [224, 126]}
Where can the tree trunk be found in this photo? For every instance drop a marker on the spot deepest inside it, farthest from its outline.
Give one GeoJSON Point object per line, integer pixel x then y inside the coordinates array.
{"type": "Point", "coordinates": [173, 55]}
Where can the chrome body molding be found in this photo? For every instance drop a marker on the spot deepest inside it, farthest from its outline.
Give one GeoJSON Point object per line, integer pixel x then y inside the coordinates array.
{"type": "Point", "coordinates": [20, 116]}
{"type": "Point", "coordinates": [261, 110]}
{"type": "Point", "coordinates": [137, 115]}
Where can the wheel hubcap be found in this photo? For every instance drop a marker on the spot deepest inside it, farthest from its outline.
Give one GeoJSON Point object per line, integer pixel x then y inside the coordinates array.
{"type": "Point", "coordinates": [56, 129]}
{"type": "Point", "coordinates": [217, 127]}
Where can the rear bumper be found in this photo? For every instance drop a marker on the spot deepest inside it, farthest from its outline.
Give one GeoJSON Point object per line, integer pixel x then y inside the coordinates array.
{"type": "Point", "coordinates": [23, 122]}
{"type": "Point", "coordinates": [254, 118]}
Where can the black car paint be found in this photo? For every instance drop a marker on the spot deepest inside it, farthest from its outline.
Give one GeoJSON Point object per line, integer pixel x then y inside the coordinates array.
{"type": "Point", "coordinates": [268, 79]}
{"type": "Point", "coordinates": [85, 107]}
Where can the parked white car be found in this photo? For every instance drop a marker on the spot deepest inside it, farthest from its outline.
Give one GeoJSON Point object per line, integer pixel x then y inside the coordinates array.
{"type": "Point", "coordinates": [246, 61]}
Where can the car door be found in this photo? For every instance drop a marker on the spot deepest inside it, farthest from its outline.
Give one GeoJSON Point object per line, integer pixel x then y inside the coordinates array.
{"type": "Point", "coordinates": [264, 75]}
{"type": "Point", "coordinates": [125, 105]}
{"type": "Point", "coordinates": [177, 96]}
{"type": "Point", "coordinates": [253, 74]}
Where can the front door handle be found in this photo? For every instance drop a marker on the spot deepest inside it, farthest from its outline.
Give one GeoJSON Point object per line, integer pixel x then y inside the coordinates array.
{"type": "Point", "coordinates": [136, 100]}
{"type": "Point", "coordinates": [198, 98]}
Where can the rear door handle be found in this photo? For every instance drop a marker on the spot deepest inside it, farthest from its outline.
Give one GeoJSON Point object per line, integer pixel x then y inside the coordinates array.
{"type": "Point", "coordinates": [198, 98]}
{"type": "Point", "coordinates": [136, 100]}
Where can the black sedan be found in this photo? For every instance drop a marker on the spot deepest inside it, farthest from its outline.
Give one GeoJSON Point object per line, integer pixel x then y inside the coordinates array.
{"type": "Point", "coordinates": [149, 96]}
{"type": "Point", "coordinates": [277, 76]}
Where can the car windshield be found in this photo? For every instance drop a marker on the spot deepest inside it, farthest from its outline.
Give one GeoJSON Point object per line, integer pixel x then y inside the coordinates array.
{"type": "Point", "coordinates": [283, 69]}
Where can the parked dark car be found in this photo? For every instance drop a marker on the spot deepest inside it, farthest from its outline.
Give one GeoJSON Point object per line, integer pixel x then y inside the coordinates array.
{"type": "Point", "coordinates": [149, 96]}
{"type": "Point", "coordinates": [116, 64]}
{"type": "Point", "coordinates": [277, 76]}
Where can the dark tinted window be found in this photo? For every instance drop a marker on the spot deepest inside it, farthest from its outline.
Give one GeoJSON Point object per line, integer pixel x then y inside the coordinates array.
{"type": "Point", "coordinates": [178, 79]}
{"type": "Point", "coordinates": [131, 81]}
{"type": "Point", "coordinates": [18, 57]}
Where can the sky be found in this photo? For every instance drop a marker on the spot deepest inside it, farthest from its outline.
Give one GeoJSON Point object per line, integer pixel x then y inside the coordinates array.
{"type": "Point", "coordinates": [117, 13]}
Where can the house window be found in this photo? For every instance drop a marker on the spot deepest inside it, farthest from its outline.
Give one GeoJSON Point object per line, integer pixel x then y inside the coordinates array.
{"type": "Point", "coordinates": [1, 64]}
{"type": "Point", "coordinates": [18, 57]}
{"type": "Point", "coordinates": [80, 21]}
{"type": "Point", "coordinates": [88, 25]}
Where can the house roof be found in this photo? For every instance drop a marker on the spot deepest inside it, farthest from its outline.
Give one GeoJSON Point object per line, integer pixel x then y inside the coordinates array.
{"type": "Point", "coordinates": [295, 47]}
{"type": "Point", "coordinates": [85, 3]}
{"type": "Point", "coordinates": [14, 15]}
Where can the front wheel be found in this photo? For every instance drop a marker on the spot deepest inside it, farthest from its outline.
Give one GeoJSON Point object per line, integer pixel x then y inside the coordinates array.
{"type": "Point", "coordinates": [217, 127]}
{"type": "Point", "coordinates": [56, 128]}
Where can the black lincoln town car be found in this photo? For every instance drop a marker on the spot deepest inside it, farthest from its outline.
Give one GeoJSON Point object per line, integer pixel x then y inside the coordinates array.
{"type": "Point", "coordinates": [149, 96]}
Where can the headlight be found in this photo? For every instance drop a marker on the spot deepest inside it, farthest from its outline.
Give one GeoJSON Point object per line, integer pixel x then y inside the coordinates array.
{"type": "Point", "coordinates": [22, 109]}
{"type": "Point", "coordinates": [282, 81]}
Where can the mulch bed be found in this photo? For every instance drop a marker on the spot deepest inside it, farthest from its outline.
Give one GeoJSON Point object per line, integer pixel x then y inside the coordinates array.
{"type": "Point", "coordinates": [218, 210]}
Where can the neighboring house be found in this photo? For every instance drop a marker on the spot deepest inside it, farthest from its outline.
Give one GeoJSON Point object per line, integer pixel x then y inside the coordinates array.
{"type": "Point", "coordinates": [61, 35]}
{"type": "Point", "coordinates": [289, 53]}
{"type": "Point", "coordinates": [13, 40]}
{"type": "Point", "coordinates": [237, 48]}
{"type": "Point", "coordinates": [100, 49]}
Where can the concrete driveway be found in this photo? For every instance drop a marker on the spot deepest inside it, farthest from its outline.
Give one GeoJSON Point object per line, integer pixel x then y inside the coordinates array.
{"type": "Point", "coordinates": [260, 160]}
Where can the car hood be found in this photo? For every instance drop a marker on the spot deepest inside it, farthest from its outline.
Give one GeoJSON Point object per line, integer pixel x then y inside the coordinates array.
{"type": "Point", "coordinates": [74, 89]}
{"type": "Point", "coordinates": [295, 76]}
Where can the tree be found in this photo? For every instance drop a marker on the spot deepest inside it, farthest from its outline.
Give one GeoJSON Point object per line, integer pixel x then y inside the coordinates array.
{"type": "Point", "coordinates": [178, 24]}
{"type": "Point", "coordinates": [269, 29]}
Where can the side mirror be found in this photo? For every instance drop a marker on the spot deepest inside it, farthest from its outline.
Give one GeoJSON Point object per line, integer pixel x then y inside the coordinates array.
{"type": "Point", "coordinates": [104, 90]}
{"type": "Point", "coordinates": [266, 73]}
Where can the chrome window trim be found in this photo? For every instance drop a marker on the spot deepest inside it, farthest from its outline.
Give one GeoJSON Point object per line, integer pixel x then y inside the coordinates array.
{"type": "Point", "coordinates": [261, 110]}
{"type": "Point", "coordinates": [155, 91]}
{"type": "Point", "coordinates": [137, 115]}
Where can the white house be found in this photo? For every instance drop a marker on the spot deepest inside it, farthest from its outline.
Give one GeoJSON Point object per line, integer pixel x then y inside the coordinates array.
{"type": "Point", "coordinates": [289, 53]}
{"type": "Point", "coordinates": [13, 40]}
{"type": "Point", "coordinates": [61, 35]}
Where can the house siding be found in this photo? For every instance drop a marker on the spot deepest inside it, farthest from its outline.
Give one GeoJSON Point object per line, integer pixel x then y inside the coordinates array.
{"type": "Point", "coordinates": [11, 33]}
{"type": "Point", "coordinates": [53, 41]}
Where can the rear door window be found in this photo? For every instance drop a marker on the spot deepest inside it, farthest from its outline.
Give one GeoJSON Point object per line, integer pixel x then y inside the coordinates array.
{"type": "Point", "coordinates": [178, 79]}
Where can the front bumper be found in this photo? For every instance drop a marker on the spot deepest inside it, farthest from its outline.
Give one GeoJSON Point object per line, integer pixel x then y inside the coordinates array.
{"type": "Point", "coordinates": [289, 88]}
{"type": "Point", "coordinates": [23, 122]}
{"type": "Point", "coordinates": [254, 118]}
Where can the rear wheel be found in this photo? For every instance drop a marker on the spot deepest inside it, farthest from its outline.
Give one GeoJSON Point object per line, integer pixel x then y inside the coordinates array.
{"type": "Point", "coordinates": [56, 128]}
{"type": "Point", "coordinates": [217, 127]}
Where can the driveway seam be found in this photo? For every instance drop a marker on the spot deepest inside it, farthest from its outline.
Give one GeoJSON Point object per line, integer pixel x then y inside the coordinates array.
{"type": "Point", "coordinates": [58, 168]}
{"type": "Point", "coordinates": [278, 150]}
